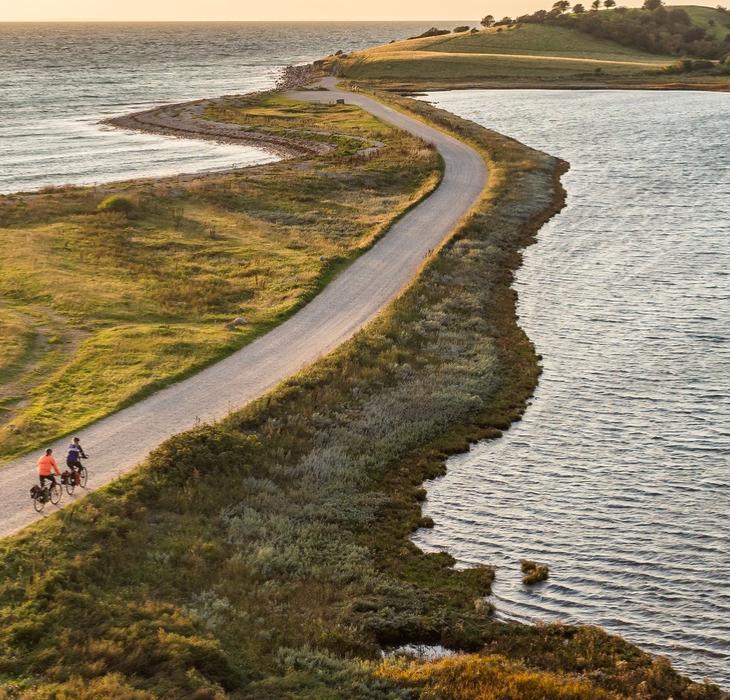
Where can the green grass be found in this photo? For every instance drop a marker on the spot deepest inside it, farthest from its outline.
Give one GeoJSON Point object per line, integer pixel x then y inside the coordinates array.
{"type": "Point", "coordinates": [268, 556]}
{"type": "Point", "coordinates": [704, 16]}
{"type": "Point", "coordinates": [545, 40]}
{"type": "Point", "coordinates": [465, 67]}
{"type": "Point", "coordinates": [525, 55]}
{"type": "Point", "coordinates": [101, 307]}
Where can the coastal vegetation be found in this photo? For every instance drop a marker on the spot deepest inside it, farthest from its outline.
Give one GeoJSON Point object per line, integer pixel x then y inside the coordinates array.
{"type": "Point", "coordinates": [110, 292]}
{"type": "Point", "coordinates": [267, 556]}
{"type": "Point", "coordinates": [558, 48]}
{"type": "Point", "coordinates": [532, 572]}
{"type": "Point", "coordinates": [699, 32]}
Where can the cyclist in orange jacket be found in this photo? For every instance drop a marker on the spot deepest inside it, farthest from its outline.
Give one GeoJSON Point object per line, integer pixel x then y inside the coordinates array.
{"type": "Point", "coordinates": [48, 468]}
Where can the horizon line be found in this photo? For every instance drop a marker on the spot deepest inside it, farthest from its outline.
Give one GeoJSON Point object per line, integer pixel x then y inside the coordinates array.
{"type": "Point", "coordinates": [221, 21]}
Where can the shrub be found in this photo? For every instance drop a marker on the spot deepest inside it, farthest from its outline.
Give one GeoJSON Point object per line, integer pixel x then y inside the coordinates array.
{"type": "Point", "coordinates": [461, 29]}
{"type": "Point", "coordinates": [472, 677]}
{"type": "Point", "coordinates": [688, 65]}
{"type": "Point", "coordinates": [655, 29]}
{"type": "Point", "coordinates": [117, 204]}
{"type": "Point", "coordinates": [433, 31]}
{"type": "Point", "coordinates": [533, 572]}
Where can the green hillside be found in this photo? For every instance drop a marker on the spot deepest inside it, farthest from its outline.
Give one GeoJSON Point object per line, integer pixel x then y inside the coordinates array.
{"type": "Point", "coordinates": [542, 39]}
{"type": "Point", "coordinates": [716, 22]}
{"type": "Point", "coordinates": [619, 48]}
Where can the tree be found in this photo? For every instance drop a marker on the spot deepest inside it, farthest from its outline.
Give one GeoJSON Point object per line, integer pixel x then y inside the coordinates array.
{"type": "Point", "coordinates": [487, 21]}
{"type": "Point", "coordinates": [561, 6]}
{"type": "Point", "coordinates": [653, 4]}
{"type": "Point", "coordinates": [596, 5]}
{"type": "Point", "coordinates": [609, 3]}
{"type": "Point", "coordinates": [579, 9]}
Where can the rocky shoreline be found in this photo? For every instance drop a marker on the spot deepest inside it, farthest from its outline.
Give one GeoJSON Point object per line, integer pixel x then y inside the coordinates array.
{"type": "Point", "coordinates": [187, 120]}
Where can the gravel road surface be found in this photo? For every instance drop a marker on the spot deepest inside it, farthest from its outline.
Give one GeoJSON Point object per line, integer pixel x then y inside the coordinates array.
{"type": "Point", "coordinates": [120, 442]}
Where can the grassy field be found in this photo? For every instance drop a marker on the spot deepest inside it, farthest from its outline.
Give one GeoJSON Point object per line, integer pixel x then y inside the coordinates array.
{"type": "Point", "coordinates": [716, 22]}
{"type": "Point", "coordinates": [268, 556]}
{"type": "Point", "coordinates": [526, 55]}
{"type": "Point", "coordinates": [540, 39]}
{"type": "Point", "coordinates": [99, 308]}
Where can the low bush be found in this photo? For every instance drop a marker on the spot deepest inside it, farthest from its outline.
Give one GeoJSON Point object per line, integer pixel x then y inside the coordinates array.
{"type": "Point", "coordinates": [472, 677]}
{"type": "Point", "coordinates": [117, 204]}
{"type": "Point", "coordinates": [689, 65]}
{"type": "Point", "coordinates": [433, 31]}
{"type": "Point", "coordinates": [533, 572]}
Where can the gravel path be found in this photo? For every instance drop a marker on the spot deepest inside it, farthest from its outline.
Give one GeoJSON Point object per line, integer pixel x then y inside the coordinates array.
{"type": "Point", "coordinates": [120, 442]}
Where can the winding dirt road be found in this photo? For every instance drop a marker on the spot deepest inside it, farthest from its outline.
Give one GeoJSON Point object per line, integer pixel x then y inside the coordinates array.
{"type": "Point", "coordinates": [120, 442]}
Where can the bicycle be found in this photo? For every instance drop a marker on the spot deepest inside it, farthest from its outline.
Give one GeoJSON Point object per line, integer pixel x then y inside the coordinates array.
{"type": "Point", "coordinates": [72, 478]}
{"type": "Point", "coordinates": [43, 494]}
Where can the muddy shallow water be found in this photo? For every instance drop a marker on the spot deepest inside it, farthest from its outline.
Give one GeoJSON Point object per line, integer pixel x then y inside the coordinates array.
{"type": "Point", "coordinates": [619, 475]}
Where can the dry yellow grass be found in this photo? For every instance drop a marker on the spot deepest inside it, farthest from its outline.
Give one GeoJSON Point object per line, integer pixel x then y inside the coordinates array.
{"type": "Point", "coordinates": [101, 307]}
{"type": "Point", "coordinates": [474, 677]}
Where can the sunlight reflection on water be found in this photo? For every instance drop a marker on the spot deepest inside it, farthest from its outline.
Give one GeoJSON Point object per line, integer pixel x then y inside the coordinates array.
{"type": "Point", "coordinates": [618, 476]}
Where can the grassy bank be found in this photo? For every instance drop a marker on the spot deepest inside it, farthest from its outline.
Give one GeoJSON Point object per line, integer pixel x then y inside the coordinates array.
{"type": "Point", "coordinates": [268, 556]}
{"type": "Point", "coordinates": [517, 56]}
{"type": "Point", "coordinates": [100, 307]}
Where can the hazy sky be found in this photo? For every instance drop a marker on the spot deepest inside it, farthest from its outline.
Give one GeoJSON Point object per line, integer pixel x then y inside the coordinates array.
{"type": "Point", "coordinates": [45, 10]}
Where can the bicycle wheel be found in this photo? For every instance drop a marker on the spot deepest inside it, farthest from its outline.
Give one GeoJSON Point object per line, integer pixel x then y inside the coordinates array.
{"type": "Point", "coordinates": [56, 494]}
{"type": "Point", "coordinates": [83, 476]}
{"type": "Point", "coordinates": [70, 484]}
{"type": "Point", "coordinates": [38, 504]}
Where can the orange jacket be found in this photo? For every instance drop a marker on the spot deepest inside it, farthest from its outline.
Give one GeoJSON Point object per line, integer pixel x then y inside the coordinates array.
{"type": "Point", "coordinates": [46, 464]}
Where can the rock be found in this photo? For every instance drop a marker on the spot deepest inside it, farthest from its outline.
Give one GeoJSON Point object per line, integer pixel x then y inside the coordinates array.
{"type": "Point", "coordinates": [236, 323]}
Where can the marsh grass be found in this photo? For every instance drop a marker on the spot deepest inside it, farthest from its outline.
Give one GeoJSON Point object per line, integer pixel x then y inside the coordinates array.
{"type": "Point", "coordinates": [533, 572]}
{"type": "Point", "coordinates": [268, 556]}
{"type": "Point", "coordinates": [140, 278]}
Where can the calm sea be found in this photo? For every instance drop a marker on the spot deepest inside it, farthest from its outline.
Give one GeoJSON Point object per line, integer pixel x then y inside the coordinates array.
{"type": "Point", "coordinates": [58, 80]}
{"type": "Point", "coordinates": [619, 474]}
{"type": "Point", "coordinates": [618, 477]}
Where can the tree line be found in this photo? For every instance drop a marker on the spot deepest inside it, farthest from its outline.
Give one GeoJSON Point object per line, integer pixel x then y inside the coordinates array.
{"type": "Point", "coordinates": [653, 28]}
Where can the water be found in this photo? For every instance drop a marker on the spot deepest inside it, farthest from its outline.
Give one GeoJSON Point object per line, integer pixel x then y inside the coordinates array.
{"type": "Point", "coordinates": [619, 475]}
{"type": "Point", "coordinates": [58, 80]}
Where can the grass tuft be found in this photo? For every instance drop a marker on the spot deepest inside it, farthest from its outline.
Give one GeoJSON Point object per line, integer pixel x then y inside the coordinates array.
{"type": "Point", "coordinates": [533, 572]}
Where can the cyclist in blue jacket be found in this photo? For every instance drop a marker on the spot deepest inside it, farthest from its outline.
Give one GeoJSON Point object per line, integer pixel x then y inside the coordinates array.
{"type": "Point", "coordinates": [75, 455]}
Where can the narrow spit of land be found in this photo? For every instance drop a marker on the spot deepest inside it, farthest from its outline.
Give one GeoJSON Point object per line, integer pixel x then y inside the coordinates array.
{"type": "Point", "coordinates": [121, 441]}
{"type": "Point", "coordinates": [267, 555]}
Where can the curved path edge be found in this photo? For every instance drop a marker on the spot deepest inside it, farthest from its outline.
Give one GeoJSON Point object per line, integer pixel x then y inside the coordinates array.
{"type": "Point", "coordinates": [121, 441]}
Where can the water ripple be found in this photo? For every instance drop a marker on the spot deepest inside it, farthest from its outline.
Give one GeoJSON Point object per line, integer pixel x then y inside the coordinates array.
{"type": "Point", "coordinates": [619, 474]}
{"type": "Point", "coordinates": [57, 81]}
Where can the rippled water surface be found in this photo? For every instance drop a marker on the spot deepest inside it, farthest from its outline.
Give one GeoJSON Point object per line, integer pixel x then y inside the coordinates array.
{"type": "Point", "coordinates": [619, 475]}
{"type": "Point", "coordinates": [58, 80]}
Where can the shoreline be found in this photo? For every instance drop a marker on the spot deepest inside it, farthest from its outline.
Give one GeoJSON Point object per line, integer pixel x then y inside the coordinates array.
{"type": "Point", "coordinates": [186, 120]}
{"type": "Point", "coordinates": [182, 120]}
{"type": "Point", "coordinates": [412, 88]}
{"type": "Point", "coordinates": [520, 363]}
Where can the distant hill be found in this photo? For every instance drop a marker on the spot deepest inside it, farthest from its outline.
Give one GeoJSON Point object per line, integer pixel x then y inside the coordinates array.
{"type": "Point", "coordinates": [542, 39]}
{"type": "Point", "coordinates": [691, 30]}
{"type": "Point", "coordinates": [716, 22]}
{"type": "Point", "coordinates": [557, 50]}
